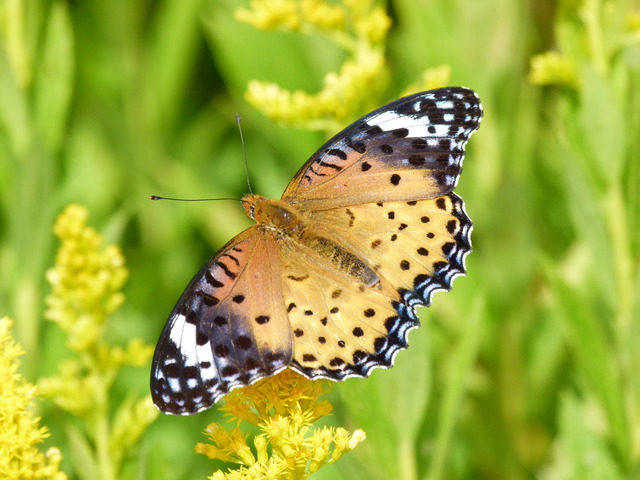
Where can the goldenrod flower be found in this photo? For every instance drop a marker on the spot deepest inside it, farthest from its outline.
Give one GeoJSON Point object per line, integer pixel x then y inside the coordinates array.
{"type": "Point", "coordinates": [19, 429]}
{"type": "Point", "coordinates": [357, 26]}
{"type": "Point", "coordinates": [87, 282]}
{"type": "Point", "coordinates": [304, 16]}
{"type": "Point", "coordinates": [633, 25]}
{"type": "Point", "coordinates": [284, 407]}
{"type": "Point", "coordinates": [552, 68]}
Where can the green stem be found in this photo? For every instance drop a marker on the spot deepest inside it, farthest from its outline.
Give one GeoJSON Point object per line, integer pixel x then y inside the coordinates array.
{"type": "Point", "coordinates": [407, 459]}
{"type": "Point", "coordinates": [103, 451]}
{"type": "Point", "coordinates": [591, 14]}
{"type": "Point", "coordinates": [102, 432]}
{"type": "Point", "coordinates": [623, 263]}
{"type": "Point", "coordinates": [615, 206]}
{"type": "Point", "coordinates": [454, 393]}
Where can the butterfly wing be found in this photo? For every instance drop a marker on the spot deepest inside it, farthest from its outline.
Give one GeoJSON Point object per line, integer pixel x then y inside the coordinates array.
{"type": "Point", "coordinates": [229, 328]}
{"type": "Point", "coordinates": [379, 195]}
{"type": "Point", "coordinates": [419, 246]}
{"type": "Point", "coordinates": [344, 326]}
{"type": "Point", "coordinates": [382, 232]}
{"type": "Point", "coordinates": [409, 149]}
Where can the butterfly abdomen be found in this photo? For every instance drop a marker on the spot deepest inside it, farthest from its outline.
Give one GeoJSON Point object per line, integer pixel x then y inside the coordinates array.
{"type": "Point", "coordinates": [343, 260]}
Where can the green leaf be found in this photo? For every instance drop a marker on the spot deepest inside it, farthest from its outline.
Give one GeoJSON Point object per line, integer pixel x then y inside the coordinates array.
{"type": "Point", "coordinates": [580, 451]}
{"type": "Point", "coordinates": [602, 126]}
{"type": "Point", "coordinates": [53, 83]}
{"type": "Point", "coordinates": [173, 54]}
{"type": "Point", "coordinates": [389, 406]}
{"type": "Point", "coordinates": [455, 388]}
{"type": "Point", "coordinates": [594, 360]}
{"type": "Point", "coordinates": [14, 116]}
{"type": "Point", "coordinates": [82, 455]}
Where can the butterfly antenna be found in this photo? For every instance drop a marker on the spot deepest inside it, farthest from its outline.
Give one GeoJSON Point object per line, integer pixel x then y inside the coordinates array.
{"type": "Point", "coordinates": [157, 197]}
{"type": "Point", "coordinates": [244, 154]}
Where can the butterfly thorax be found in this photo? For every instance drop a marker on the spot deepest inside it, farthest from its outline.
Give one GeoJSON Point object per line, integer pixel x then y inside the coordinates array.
{"type": "Point", "coordinates": [282, 219]}
{"type": "Point", "coordinates": [272, 214]}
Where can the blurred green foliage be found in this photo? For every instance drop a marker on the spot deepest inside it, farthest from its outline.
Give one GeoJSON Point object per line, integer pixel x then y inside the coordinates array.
{"type": "Point", "coordinates": [527, 369]}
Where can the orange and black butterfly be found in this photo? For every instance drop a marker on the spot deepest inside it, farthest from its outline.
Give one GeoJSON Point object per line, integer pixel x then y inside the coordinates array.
{"type": "Point", "coordinates": [327, 281]}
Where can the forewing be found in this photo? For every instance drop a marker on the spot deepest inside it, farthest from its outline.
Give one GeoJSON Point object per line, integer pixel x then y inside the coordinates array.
{"type": "Point", "coordinates": [409, 149]}
{"type": "Point", "coordinates": [229, 328]}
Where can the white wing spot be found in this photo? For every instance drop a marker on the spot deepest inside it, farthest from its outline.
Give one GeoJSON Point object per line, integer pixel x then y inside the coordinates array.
{"type": "Point", "coordinates": [441, 131]}
{"type": "Point", "coordinates": [176, 330]}
{"type": "Point", "coordinates": [174, 384]}
{"type": "Point", "coordinates": [418, 127]}
{"type": "Point", "coordinates": [445, 105]}
{"type": "Point", "coordinates": [205, 354]}
{"type": "Point", "coordinates": [183, 335]}
{"type": "Point", "coordinates": [192, 383]}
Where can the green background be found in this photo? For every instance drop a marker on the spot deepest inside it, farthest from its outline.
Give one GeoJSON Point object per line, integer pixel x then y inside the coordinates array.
{"type": "Point", "coordinates": [527, 369]}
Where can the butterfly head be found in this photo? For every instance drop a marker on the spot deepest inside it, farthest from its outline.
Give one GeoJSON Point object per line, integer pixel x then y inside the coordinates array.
{"type": "Point", "coordinates": [271, 214]}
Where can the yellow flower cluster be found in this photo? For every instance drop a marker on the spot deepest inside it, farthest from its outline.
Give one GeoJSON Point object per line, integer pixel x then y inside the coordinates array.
{"type": "Point", "coordinates": [283, 407]}
{"type": "Point", "coordinates": [19, 429]}
{"type": "Point", "coordinates": [325, 110]}
{"type": "Point", "coordinates": [633, 28]}
{"type": "Point", "coordinates": [356, 26]}
{"type": "Point", "coordinates": [552, 68]}
{"type": "Point", "coordinates": [595, 36]}
{"type": "Point", "coordinates": [86, 288]}
{"type": "Point", "coordinates": [296, 16]}
{"type": "Point", "coordinates": [86, 282]}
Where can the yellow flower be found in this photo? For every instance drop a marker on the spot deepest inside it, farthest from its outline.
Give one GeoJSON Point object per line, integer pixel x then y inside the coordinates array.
{"type": "Point", "coordinates": [357, 26]}
{"type": "Point", "coordinates": [232, 445]}
{"type": "Point", "coordinates": [633, 22]}
{"type": "Point", "coordinates": [87, 282]}
{"type": "Point", "coordinates": [19, 429]}
{"type": "Point", "coordinates": [552, 68]}
{"type": "Point", "coordinates": [293, 15]}
{"type": "Point", "coordinates": [284, 408]}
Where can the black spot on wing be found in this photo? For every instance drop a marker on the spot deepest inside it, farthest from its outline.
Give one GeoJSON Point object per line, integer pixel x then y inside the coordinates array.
{"type": "Point", "coordinates": [386, 149]}
{"type": "Point", "coordinates": [336, 152]}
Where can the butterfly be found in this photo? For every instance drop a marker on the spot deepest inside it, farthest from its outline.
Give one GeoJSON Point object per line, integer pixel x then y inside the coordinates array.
{"type": "Point", "coordinates": [328, 279]}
